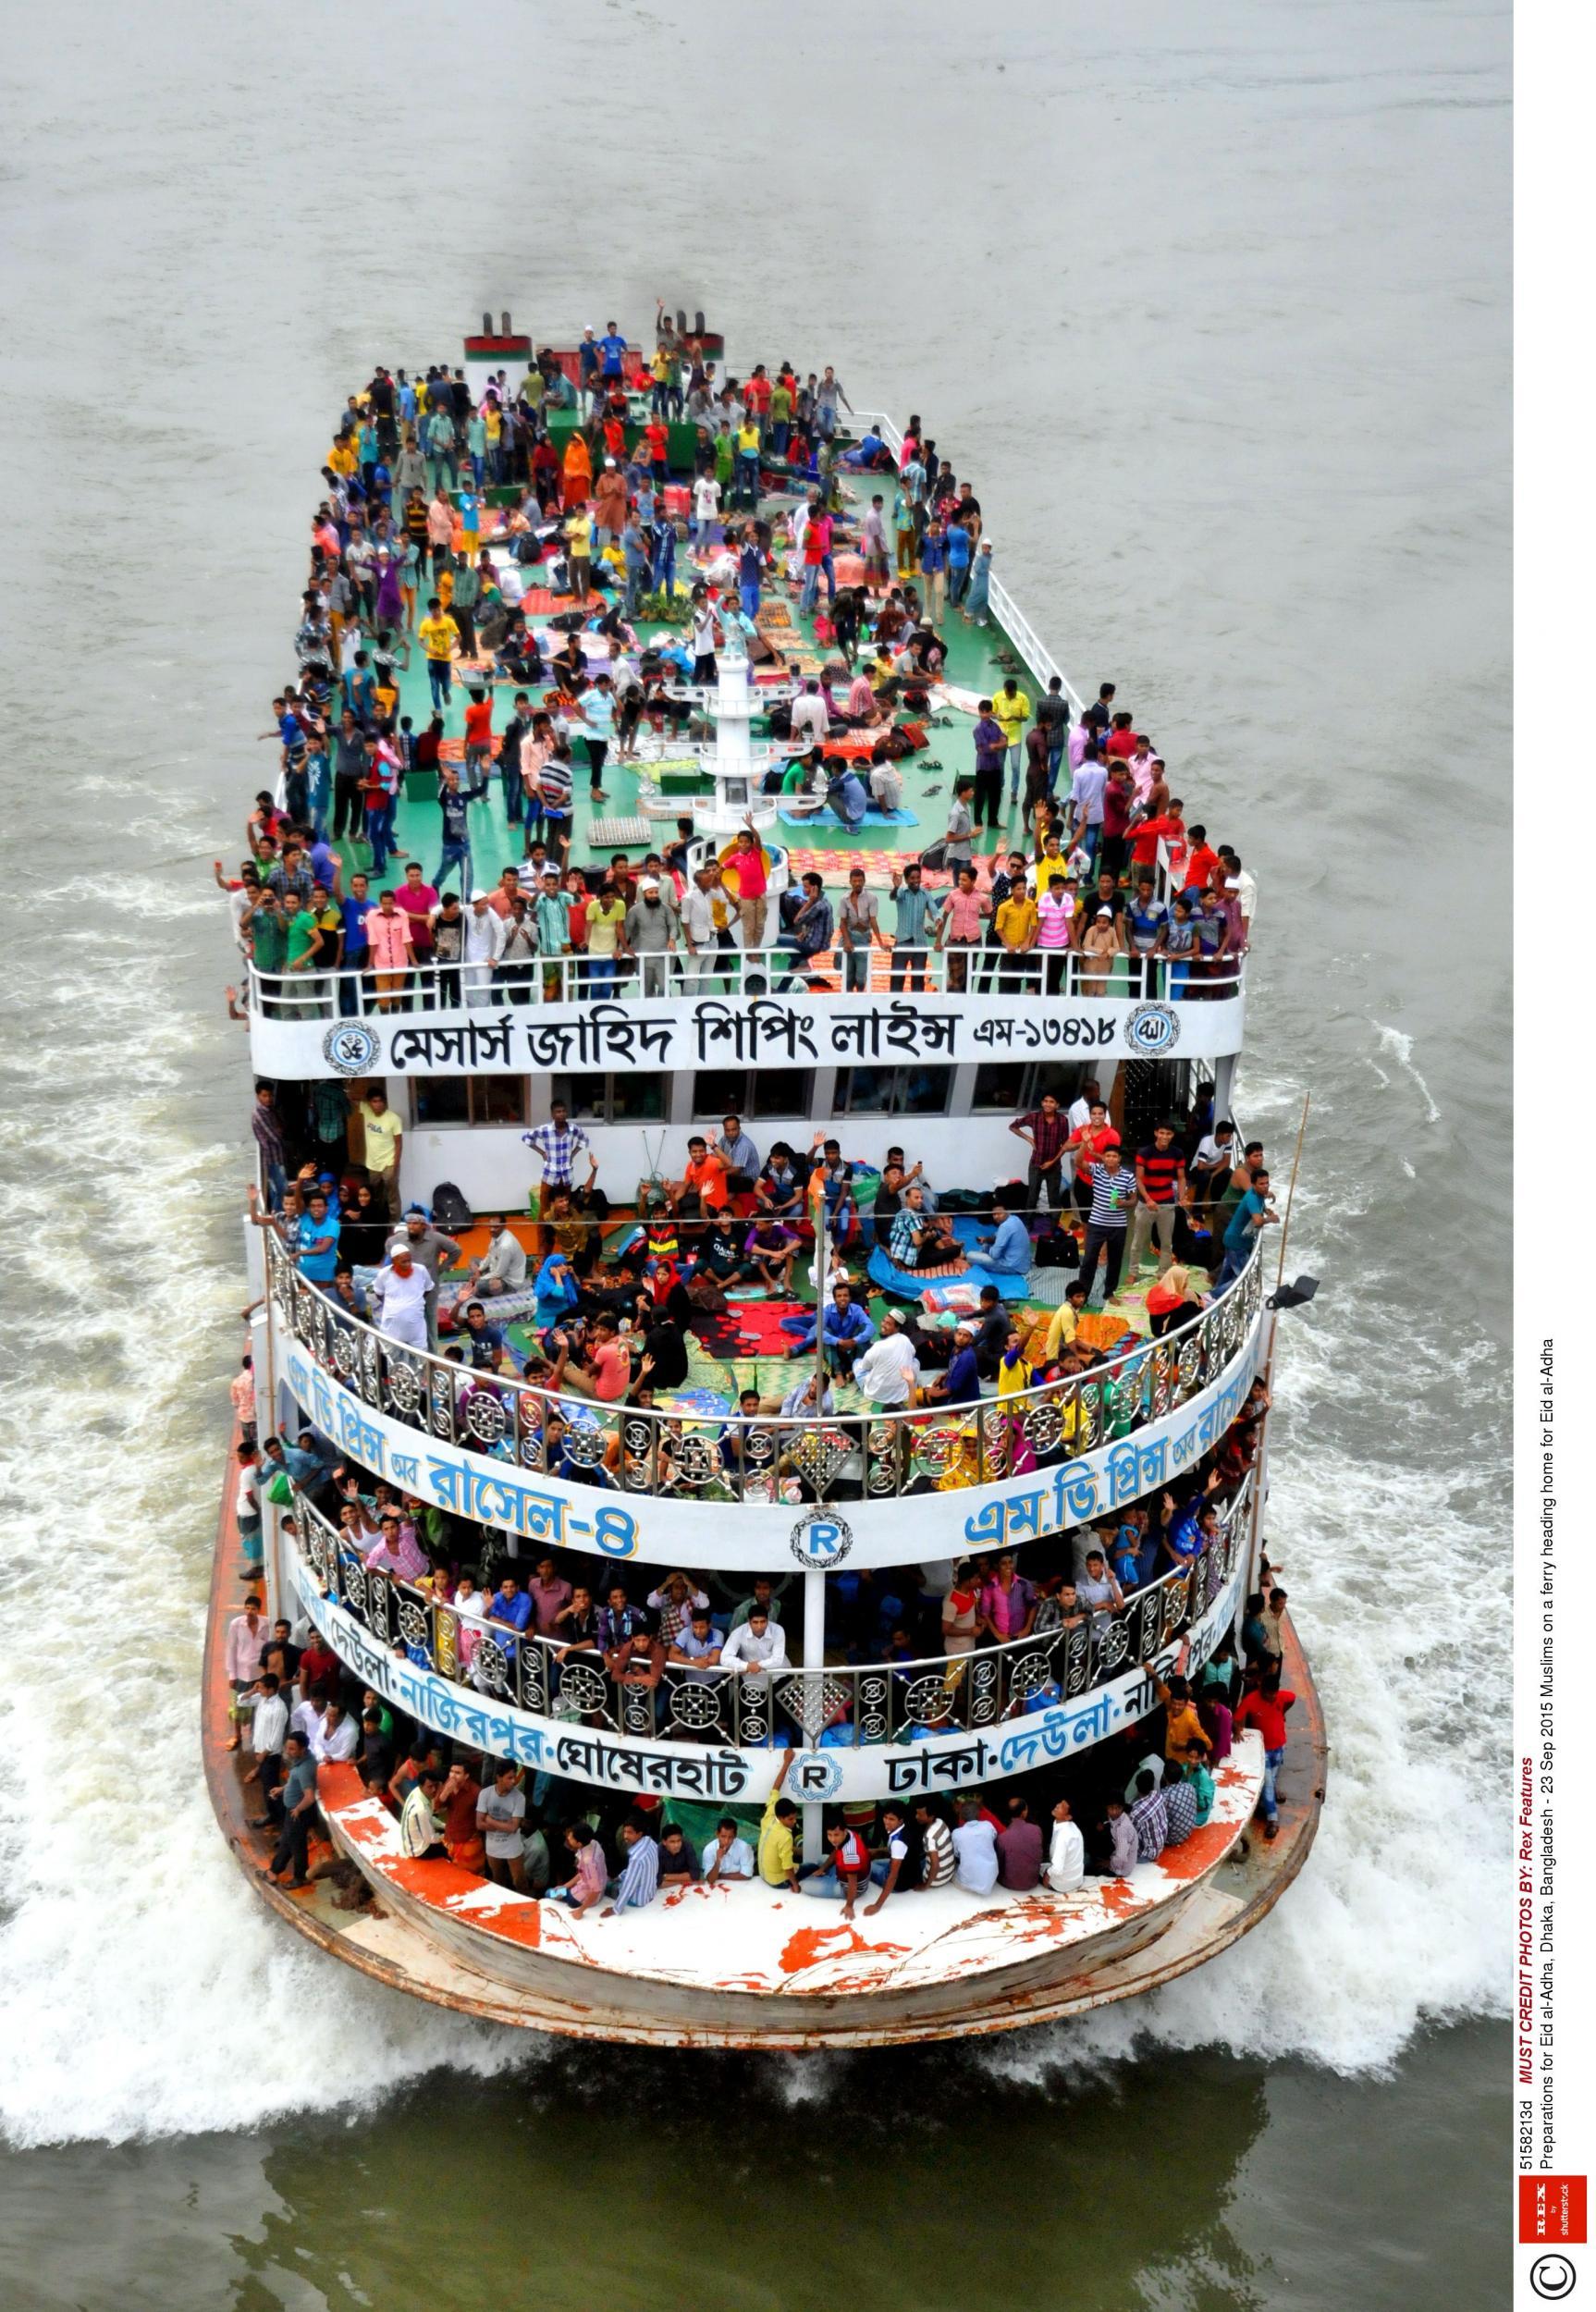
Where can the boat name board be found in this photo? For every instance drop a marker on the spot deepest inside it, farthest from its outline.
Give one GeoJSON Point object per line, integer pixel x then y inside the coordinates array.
{"type": "Point", "coordinates": [942, 1762]}
{"type": "Point", "coordinates": [617, 1039]}
{"type": "Point", "coordinates": [552, 1512]}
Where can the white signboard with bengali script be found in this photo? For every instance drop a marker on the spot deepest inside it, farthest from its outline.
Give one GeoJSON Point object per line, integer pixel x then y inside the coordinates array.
{"type": "Point", "coordinates": [556, 1513]}
{"type": "Point", "coordinates": [705, 1030]}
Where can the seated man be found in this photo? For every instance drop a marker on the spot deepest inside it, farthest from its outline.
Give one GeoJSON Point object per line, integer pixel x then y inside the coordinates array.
{"type": "Point", "coordinates": [1008, 1248]}
{"type": "Point", "coordinates": [848, 796]}
{"type": "Point", "coordinates": [847, 1331]}
{"type": "Point", "coordinates": [604, 1375]}
{"type": "Point", "coordinates": [809, 932]}
{"type": "Point", "coordinates": [779, 1191]}
{"type": "Point", "coordinates": [720, 1251]}
{"type": "Point", "coordinates": [702, 1189]}
{"type": "Point", "coordinates": [769, 1251]}
{"type": "Point", "coordinates": [961, 1384]}
{"type": "Point", "coordinates": [482, 1345]}
{"type": "Point", "coordinates": [919, 1240]}
{"type": "Point", "coordinates": [727, 1859]}
{"type": "Point", "coordinates": [501, 1269]}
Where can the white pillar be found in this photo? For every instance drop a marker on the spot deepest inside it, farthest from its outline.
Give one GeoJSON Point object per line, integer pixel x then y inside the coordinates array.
{"type": "Point", "coordinates": [814, 1659]}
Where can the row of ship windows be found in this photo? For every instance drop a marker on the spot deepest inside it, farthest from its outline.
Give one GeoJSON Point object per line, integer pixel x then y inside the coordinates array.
{"type": "Point", "coordinates": [1004, 1088]}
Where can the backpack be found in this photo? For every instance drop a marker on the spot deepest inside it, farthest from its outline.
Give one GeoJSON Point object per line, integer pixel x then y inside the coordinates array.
{"type": "Point", "coordinates": [1057, 1251]}
{"type": "Point", "coordinates": [449, 1210]}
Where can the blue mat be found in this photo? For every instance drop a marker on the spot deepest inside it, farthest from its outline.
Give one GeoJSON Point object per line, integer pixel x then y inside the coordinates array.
{"type": "Point", "coordinates": [829, 821]}
{"type": "Point", "coordinates": [909, 1286]}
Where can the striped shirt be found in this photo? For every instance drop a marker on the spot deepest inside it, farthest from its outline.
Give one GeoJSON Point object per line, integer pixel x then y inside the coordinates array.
{"type": "Point", "coordinates": [1159, 1171]}
{"type": "Point", "coordinates": [1113, 1193]}
{"type": "Point", "coordinates": [1180, 1812]}
{"type": "Point", "coordinates": [938, 1846]}
{"type": "Point", "coordinates": [553, 787]}
{"type": "Point", "coordinates": [640, 1879]}
{"type": "Point", "coordinates": [1150, 1815]}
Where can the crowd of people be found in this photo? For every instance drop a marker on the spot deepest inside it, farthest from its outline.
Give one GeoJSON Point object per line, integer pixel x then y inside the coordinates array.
{"type": "Point", "coordinates": [1066, 866]}
{"type": "Point", "coordinates": [1123, 1803]}
{"type": "Point", "coordinates": [1069, 862]}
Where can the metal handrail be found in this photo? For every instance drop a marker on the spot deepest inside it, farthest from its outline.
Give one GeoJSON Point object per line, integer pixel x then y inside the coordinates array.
{"type": "Point", "coordinates": [842, 1705]}
{"type": "Point", "coordinates": [1013, 622]}
{"type": "Point", "coordinates": [352, 991]}
{"type": "Point", "coordinates": [766, 1458]}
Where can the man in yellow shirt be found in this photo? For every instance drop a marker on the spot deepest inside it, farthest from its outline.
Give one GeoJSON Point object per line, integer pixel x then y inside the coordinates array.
{"type": "Point", "coordinates": [384, 1147]}
{"type": "Point", "coordinates": [1015, 924]}
{"type": "Point", "coordinates": [777, 1863]}
{"type": "Point", "coordinates": [1066, 1316]}
{"type": "Point", "coordinates": [439, 639]}
{"type": "Point", "coordinates": [1011, 709]}
{"type": "Point", "coordinates": [578, 549]}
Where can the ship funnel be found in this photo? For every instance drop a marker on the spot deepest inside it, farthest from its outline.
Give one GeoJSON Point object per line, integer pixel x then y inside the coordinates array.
{"type": "Point", "coordinates": [699, 325]}
{"type": "Point", "coordinates": [487, 325]}
{"type": "Point", "coordinates": [505, 329]}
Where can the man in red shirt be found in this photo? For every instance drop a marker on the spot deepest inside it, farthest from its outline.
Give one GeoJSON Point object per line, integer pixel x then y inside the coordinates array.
{"type": "Point", "coordinates": [478, 742]}
{"type": "Point", "coordinates": [753, 884]}
{"type": "Point", "coordinates": [1201, 861]}
{"type": "Point", "coordinates": [1266, 1707]}
{"type": "Point", "coordinates": [655, 441]}
{"type": "Point", "coordinates": [1122, 741]}
{"type": "Point", "coordinates": [417, 899]}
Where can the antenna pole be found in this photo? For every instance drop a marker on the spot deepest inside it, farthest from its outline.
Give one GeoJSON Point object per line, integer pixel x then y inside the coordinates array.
{"type": "Point", "coordinates": [1291, 1191]}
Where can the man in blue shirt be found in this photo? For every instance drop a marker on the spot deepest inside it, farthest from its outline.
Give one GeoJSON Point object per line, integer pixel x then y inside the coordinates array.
{"type": "Point", "coordinates": [849, 798]}
{"type": "Point", "coordinates": [297, 1795]}
{"type": "Point", "coordinates": [639, 1881]}
{"type": "Point", "coordinates": [961, 1384]}
{"type": "Point", "coordinates": [611, 351]}
{"type": "Point", "coordinates": [1252, 1214]}
{"type": "Point", "coordinates": [1009, 1250]}
{"type": "Point", "coordinates": [317, 1241]}
{"type": "Point", "coordinates": [910, 945]}
{"type": "Point", "coordinates": [848, 1330]}
{"type": "Point", "coordinates": [809, 933]}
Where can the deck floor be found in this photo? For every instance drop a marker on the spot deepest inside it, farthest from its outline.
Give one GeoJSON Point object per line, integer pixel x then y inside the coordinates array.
{"type": "Point", "coordinates": [979, 657]}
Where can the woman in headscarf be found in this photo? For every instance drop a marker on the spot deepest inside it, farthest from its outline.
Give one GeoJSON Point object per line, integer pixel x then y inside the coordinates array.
{"type": "Point", "coordinates": [1171, 1301]}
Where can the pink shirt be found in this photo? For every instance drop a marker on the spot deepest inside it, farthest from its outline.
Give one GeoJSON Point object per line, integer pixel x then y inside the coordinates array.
{"type": "Point", "coordinates": [590, 1878]}
{"type": "Point", "coordinates": [1053, 919]}
{"type": "Point", "coordinates": [245, 1647]}
{"type": "Point", "coordinates": [418, 905]}
{"type": "Point", "coordinates": [963, 913]}
{"type": "Point", "coordinates": [389, 938]}
{"type": "Point", "coordinates": [752, 880]}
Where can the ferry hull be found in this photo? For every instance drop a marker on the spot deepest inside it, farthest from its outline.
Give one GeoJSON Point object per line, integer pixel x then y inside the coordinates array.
{"type": "Point", "coordinates": [418, 1938]}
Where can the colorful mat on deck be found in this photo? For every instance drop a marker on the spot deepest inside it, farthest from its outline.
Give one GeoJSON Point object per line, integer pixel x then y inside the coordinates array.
{"type": "Point", "coordinates": [823, 817]}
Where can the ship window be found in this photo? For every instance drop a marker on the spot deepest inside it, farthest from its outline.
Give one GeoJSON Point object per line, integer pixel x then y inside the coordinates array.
{"type": "Point", "coordinates": [999, 1087]}
{"type": "Point", "coordinates": [907, 1091]}
{"type": "Point", "coordinates": [752, 1092]}
{"type": "Point", "coordinates": [1014, 1087]}
{"type": "Point", "coordinates": [611, 1099]}
{"type": "Point", "coordinates": [441, 1100]}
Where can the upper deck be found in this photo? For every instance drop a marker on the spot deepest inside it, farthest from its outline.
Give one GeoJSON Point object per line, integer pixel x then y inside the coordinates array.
{"type": "Point", "coordinates": [754, 1008]}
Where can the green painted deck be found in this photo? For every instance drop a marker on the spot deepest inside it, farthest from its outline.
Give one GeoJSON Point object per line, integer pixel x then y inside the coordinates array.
{"type": "Point", "coordinates": [979, 657]}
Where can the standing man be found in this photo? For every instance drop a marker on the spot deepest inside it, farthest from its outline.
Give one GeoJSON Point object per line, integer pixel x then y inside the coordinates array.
{"type": "Point", "coordinates": [1113, 1199]}
{"type": "Point", "coordinates": [384, 1145]}
{"type": "Point", "coordinates": [911, 947]}
{"type": "Point", "coordinates": [1011, 709]}
{"type": "Point", "coordinates": [1161, 1183]}
{"type": "Point", "coordinates": [1047, 1129]}
{"type": "Point", "coordinates": [992, 746]}
{"type": "Point", "coordinates": [558, 1146]}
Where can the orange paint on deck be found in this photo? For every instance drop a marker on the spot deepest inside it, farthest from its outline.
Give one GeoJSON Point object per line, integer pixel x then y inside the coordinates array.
{"type": "Point", "coordinates": [812, 1945]}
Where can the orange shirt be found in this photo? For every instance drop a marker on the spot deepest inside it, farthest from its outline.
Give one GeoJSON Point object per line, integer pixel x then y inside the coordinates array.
{"type": "Point", "coordinates": [479, 725]}
{"type": "Point", "coordinates": [709, 1179]}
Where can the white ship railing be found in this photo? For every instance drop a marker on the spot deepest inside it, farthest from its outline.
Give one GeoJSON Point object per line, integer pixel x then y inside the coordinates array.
{"type": "Point", "coordinates": [732, 1458]}
{"type": "Point", "coordinates": [836, 1706]}
{"type": "Point", "coordinates": [1013, 622]}
{"type": "Point", "coordinates": [1060, 976]}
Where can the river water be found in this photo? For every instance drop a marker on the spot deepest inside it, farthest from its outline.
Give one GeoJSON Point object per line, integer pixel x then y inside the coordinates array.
{"type": "Point", "coordinates": [1214, 309]}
